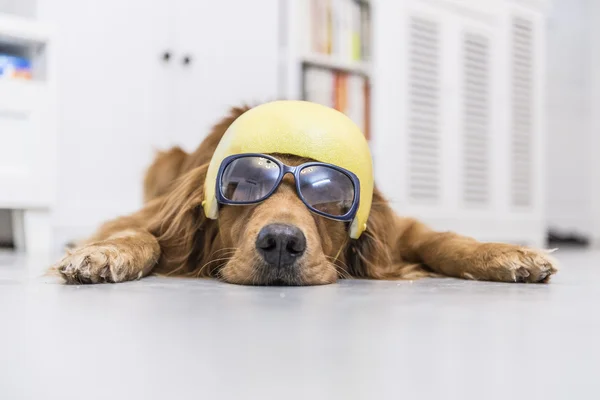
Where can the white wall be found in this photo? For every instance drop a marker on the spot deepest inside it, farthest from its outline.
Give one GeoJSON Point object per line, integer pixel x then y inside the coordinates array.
{"type": "Point", "coordinates": [569, 160]}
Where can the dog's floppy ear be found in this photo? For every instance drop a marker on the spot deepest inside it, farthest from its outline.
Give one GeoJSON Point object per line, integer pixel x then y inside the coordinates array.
{"type": "Point", "coordinates": [180, 220]}
{"type": "Point", "coordinates": [373, 249]}
{"type": "Point", "coordinates": [163, 172]}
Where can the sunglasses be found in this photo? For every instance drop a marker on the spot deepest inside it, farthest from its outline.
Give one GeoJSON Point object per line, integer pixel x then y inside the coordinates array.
{"type": "Point", "coordinates": [326, 189]}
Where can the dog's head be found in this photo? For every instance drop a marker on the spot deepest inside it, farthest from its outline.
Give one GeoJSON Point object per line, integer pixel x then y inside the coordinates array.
{"type": "Point", "coordinates": [280, 241]}
{"type": "Point", "coordinates": [276, 242]}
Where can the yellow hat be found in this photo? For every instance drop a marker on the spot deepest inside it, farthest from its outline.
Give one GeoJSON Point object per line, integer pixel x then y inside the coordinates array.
{"type": "Point", "coordinates": [303, 129]}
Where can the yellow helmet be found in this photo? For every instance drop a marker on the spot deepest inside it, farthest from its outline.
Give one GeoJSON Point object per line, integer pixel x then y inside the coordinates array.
{"type": "Point", "coordinates": [304, 129]}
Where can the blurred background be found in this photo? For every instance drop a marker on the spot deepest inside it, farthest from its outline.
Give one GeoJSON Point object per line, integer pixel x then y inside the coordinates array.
{"type": "Point", "coordinates": [480, 113]}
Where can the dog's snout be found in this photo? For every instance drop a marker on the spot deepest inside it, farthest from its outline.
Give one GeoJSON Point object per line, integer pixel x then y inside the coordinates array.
{"type": "Point", "coordinates": [280, 244]}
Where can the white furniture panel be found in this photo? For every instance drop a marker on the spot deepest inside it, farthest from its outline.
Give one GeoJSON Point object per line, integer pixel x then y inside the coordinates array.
{"type": "Point", "coordinates": [221, 59]}
{"type": "Point", "coordinates": [594, 53]}
{"type": "Point", "coordinates": [28, 134]}
{"type": "Point", "coordinates": [26, 145]}
{"type": "Point", "coordinates": [112, 110]}
{"type": "Point", "coordinates": [458, 114]}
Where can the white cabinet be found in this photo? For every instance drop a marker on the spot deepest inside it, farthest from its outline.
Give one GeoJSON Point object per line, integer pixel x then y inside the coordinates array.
{"type": "Point", "coordinates": [26, 145]}
{"type": "Point", "coordinates": [28, 133]}
{"type": "Point", "coordinates": [120, 98]}
{"type": "Point", "coordinates": [231, 47]}
{"type": "Point", "coordinates": [108, 62]}
{"type": "Point", "coordinates": [458, 114]}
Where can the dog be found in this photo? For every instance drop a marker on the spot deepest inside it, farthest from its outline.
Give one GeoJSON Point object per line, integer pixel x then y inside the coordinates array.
{"type": "Point", "coordinates": [171, 236]}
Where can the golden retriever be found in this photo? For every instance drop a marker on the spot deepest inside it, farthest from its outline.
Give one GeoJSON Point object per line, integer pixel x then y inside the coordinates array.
{"type": "Point", "coordinates": [171, 236]}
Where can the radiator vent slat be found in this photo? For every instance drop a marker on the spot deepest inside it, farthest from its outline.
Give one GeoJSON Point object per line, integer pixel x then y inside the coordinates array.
{"type": "Point", "coordinates": [522, 112]}
{"type": "Point", "coordinates": [476, 119]}
{"type": "Point", "coordinates": [424, 111]}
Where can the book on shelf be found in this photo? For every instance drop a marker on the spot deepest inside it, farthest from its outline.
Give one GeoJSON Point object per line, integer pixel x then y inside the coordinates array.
{"type": "Point", "coordinates": [340, 28]}
{"type": "Point", "coordinates": [346, 92]}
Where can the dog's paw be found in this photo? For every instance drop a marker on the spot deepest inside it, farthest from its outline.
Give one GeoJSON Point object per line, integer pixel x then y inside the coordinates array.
{"type": "Point", "coordinates": [508, 263]}
{"type": "Point", "coordinates": [94, 264]}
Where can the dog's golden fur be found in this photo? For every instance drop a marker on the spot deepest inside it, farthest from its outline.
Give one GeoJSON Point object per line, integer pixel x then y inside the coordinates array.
{"type": "Point", "coordinates": [171, 236]}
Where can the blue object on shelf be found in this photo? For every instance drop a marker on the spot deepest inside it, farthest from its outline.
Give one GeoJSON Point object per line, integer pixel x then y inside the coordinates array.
{"type": "Point", "coordinates": [14, 67]}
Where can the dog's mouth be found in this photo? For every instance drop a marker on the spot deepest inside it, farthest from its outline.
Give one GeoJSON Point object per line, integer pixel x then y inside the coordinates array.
{"type": "Point", "coordinates": [263, 274]}
{"type": "Point", "coordinates": [279, 282]}
{"type": "Point", "coordinates": [269, 276]}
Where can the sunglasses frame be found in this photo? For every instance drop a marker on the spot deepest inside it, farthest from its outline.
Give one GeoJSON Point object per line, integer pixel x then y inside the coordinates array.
{"type": "Point", "coordinates": [295, 171]}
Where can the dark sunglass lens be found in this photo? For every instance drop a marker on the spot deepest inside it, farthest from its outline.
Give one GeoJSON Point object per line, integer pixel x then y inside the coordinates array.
{"type": "Point", "coordinates": [327, 190]}
{"type": "Point", "coordinates": [249, 179]}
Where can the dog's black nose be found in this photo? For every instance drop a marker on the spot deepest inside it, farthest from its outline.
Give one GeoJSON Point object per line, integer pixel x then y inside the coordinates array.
{"type": "Point", "coordinates": [280, 244]}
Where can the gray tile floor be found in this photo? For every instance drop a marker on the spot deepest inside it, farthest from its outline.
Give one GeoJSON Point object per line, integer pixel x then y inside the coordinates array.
{"type": "Point", "coordinates": [198, 339]}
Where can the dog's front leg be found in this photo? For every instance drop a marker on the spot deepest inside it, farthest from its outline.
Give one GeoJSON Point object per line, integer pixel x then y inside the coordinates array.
{"type": "Point", "coordinates": [123, 255]}
{"type": "Point", "coordinates": [462, 257]}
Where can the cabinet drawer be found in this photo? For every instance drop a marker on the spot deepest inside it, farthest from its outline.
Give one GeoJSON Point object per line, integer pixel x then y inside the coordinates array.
{"type": "Point", "coordinates": [27, 149]}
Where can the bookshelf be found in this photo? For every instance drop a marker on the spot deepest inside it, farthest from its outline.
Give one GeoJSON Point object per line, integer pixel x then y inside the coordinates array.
{"type": "Point", "coordinates": [327, 55]}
